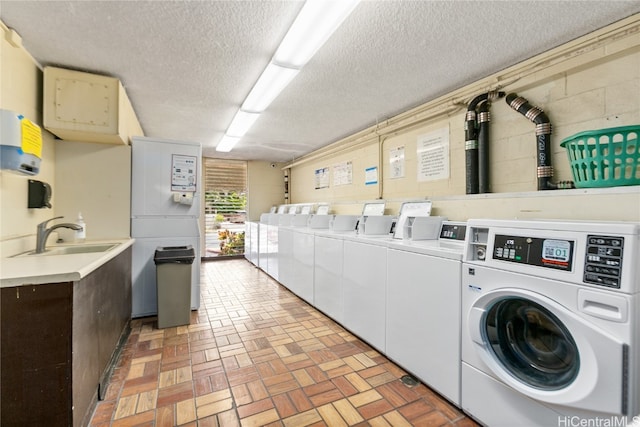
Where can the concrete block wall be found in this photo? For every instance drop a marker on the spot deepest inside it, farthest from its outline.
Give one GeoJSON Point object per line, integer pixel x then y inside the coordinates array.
{"type": "Point", "coordinates": [593, 83]}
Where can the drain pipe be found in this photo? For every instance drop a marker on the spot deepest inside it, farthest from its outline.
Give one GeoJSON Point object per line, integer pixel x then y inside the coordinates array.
{"type": "Point", "coordinates": [471, 139]}
{"type": "Point", "coordinates": [483, 146]}
{"type": "Point", "coordinates": [543, 141]}
{"type": "Point", "coordinates": [471, 147]}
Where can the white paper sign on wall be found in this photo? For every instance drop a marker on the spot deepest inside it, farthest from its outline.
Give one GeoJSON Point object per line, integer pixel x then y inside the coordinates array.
{"type": "Point", "coordinates": [433, 155]}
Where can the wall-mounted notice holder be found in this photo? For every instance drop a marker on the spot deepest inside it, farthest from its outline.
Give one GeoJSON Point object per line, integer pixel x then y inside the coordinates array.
{"type": "Point", "coordinates": [183, 172]}
{"type": "Point", "coordinates": [39, 195]}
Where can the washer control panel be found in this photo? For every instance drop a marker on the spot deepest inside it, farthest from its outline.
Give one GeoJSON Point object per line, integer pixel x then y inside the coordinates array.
{"type": "Point", "coordinates": [536, 251]}
{"type": "Point", "coordinates": [603, 263]}
{"type": "Point", "coordinates": [453, 231]}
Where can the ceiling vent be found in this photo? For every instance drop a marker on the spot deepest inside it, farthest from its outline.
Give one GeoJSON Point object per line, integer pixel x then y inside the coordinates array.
{"type": "Point", "coordinates": [87, 107]}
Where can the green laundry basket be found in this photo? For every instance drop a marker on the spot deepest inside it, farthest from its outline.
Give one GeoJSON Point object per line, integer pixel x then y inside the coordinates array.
{"type": "Point", "coordinates": [605, 158]}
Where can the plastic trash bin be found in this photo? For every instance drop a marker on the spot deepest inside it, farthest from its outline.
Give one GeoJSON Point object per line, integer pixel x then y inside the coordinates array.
{"type": "Point", "coordinates": [173, 279]}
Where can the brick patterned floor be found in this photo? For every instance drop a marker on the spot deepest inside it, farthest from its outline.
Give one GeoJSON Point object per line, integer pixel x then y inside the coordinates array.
{"type": "Point", "coordinates": [257, 355]}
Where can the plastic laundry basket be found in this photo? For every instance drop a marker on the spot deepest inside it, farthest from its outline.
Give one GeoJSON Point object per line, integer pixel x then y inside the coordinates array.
{"type": "Point", "coordinates": [605, 158]}
{"type": "Point", "coordinates": [173, 277]}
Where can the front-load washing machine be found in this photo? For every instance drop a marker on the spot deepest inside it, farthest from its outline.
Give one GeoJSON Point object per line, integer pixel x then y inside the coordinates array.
{"type": "Point", "coordinates": [550, 323]}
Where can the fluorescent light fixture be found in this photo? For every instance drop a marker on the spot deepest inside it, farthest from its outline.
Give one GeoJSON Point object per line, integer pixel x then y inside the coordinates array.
{"type": "Point", "coordinates": [227, 143]}
{"type": "Point", "coordinates": [273, 79]}
{"type": "Point", "coordinates": [241, 123]}
{"type": "Point", "coordinates": [315, 23]}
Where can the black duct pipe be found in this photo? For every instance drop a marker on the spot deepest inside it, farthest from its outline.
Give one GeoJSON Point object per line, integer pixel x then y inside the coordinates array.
{"type": "Point", "coordinates": [471, 139]}
{"type": "Point", "coordinates": [483, 146]}
{"type": "Point", "coordinates": [471, 146]}
{"type": "Point", "coordinates": [543, 141]}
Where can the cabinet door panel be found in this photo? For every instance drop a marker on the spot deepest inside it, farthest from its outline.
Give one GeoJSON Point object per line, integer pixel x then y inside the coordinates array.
{"type": "Point", "coordinates": [35, 380]}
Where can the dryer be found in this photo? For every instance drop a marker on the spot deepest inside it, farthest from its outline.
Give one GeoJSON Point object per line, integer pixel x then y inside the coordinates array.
{"type": "Point", "coordinates": [550, 323]}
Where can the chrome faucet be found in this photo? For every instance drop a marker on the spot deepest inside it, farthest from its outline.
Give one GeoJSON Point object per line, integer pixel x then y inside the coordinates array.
{"type": "Point", "coordinates": [43, 232]}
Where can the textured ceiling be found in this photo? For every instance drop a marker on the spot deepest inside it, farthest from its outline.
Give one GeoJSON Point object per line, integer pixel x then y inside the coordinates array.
{"type": "Point", "coordinates": [188, 65]}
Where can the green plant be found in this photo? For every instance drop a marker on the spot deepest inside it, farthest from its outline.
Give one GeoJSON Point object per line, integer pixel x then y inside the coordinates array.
{"type": "Point", "coordinates": [231, 242]}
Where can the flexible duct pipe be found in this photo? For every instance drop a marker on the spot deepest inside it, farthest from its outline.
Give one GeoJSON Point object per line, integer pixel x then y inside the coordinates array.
{"type": "Point", "coordinates": [484, 118]}
{"type": "Point", "coordinates": [471, 139]}
{"type": "Point", "coordinates": [543, 141]}
{"type": "Point", "coordinates": [471, 148]}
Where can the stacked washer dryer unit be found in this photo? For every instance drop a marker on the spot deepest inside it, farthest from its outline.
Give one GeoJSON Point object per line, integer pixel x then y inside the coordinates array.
{"type": "Point", "coordinates": [551, 323]}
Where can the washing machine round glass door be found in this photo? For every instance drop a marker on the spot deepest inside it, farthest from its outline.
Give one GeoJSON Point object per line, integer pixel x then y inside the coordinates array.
{"type": "Point", "coordinates": [531, 343]}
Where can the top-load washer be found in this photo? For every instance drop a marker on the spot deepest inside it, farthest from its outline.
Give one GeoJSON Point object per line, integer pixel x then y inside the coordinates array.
{"type": "Point", "coordinates": [551, 323]}
{"type": "Point", "coordinates": [423, 307]}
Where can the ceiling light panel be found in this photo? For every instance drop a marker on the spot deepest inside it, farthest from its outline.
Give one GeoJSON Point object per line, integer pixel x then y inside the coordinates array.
{"type": "Point", "coordinates": [315, 23]}
{"type": "Point", "coordinates": [272, 81]}
{"type": "Point", "coordinates": [241, 123]}
{"type": "Point", "coordinates": [227, 143]}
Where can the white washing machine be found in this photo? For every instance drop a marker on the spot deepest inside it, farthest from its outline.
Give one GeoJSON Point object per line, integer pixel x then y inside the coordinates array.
{"type": "Point", "coordinates": [327, 274]}
{"type": "Point", "coordinates": [364, 278]}
{"type": "Point", "coordinates": [551, 323]}
{"type": "Point", "coordinates": [423, 308]}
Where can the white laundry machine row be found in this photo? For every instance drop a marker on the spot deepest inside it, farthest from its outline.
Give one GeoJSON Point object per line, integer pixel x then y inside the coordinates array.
{"type": "Point", "coordinates": [364, 279]}
{"type": "Point", "coordinates": [263, 233]}
{"type": "Point", "coordinates": [295, 260]}
{"type": "Point", "coordinates": [423, 308]}
{"type": "Point", "coordinates": [251, 242]}
{"type": "Point", "coordinates": [328, 295]}
{"type": "Point", "coordinates": [551, 323]}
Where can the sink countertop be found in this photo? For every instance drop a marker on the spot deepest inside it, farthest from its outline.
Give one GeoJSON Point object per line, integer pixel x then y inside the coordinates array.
{"type": "Point", "coordinates": [35, 270]}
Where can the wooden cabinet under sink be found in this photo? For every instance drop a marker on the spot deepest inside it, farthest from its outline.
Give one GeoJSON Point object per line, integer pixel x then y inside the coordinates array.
{"type": "Point", "coordinates": [58, 343]}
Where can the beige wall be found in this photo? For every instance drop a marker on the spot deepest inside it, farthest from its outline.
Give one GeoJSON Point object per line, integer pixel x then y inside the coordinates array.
{"type": "Point", "coordinates": [591, 83]}
{"type": "Point", "coordinates": [21, 91]}
{"type": "Point", "coordinates": [95, 179]}
{"type": "Point", "coordinates": [265, 187]}
{"type": "Point", "coordinates": [87, 177]}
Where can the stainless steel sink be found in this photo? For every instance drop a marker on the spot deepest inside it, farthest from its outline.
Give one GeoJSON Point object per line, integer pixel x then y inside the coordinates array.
{"type": "Point", "coordinates": [73, 249]}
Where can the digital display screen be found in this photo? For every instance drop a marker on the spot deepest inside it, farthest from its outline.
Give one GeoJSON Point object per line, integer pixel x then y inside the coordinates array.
{"type": "Point", "coordinates": [556, 251]}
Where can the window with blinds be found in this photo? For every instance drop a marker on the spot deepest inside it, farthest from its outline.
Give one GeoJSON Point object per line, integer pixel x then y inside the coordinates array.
{"type": "Point", "coordinates": [225, 200]}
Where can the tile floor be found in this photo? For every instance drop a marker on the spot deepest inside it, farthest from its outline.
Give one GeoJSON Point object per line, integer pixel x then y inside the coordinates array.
{"type": "Point", "coordinates": [256, 355]}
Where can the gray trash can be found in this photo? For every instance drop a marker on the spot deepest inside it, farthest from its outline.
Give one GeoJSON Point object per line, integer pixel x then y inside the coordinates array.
{"type": "Point", "coordinates": [173, 279]}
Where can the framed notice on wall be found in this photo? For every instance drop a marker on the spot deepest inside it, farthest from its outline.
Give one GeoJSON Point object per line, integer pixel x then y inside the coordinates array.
{"type": "Point", "coordinates": [183, 172]}
{"type": "Point", "coordinates": [343, 173]}
{"type": "Point", "coordinates": [322, 178]}
{"type": "Point", "coordinates": [433, 155]}
{"type": "Point", "coordinates": [371, 176]}
{"type": "Point", "coordinates": [396, 163]}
